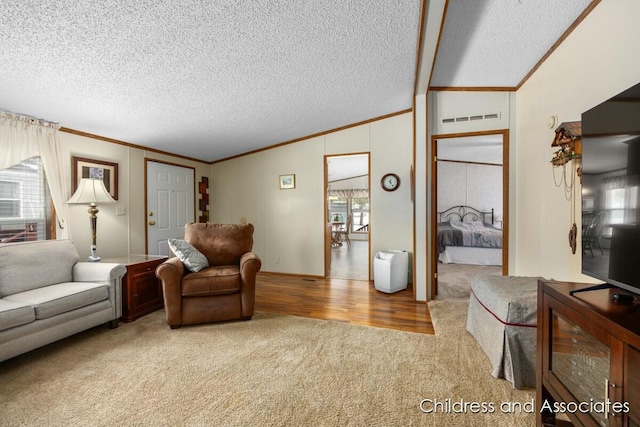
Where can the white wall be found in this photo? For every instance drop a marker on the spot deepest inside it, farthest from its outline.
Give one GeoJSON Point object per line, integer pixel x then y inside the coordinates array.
{"type": "Point", "coordinates": [433, 108]}
{"type": "Point", "coordinates": [475, 185]}
{"type": "Point", "coordinates": [598, 60]}
{"type": "Point", "coordinates": [464, 104]}
{"type": "Point", "coordinates": [289, 224]}
{"type": "Point", "coordinates": [116, 235]}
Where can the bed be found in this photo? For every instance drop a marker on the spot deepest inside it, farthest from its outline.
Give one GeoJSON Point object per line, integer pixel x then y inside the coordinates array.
{"type": "Point", "coordinates": [467, 235]}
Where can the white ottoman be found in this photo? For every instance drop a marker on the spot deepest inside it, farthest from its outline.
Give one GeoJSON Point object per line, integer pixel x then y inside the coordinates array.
{"type": "Point", "coordinates": [502, 318]}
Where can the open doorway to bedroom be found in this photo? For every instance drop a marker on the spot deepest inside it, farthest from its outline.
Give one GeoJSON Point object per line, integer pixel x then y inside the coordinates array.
{"type": "Point", "coordinates": [470, 209]}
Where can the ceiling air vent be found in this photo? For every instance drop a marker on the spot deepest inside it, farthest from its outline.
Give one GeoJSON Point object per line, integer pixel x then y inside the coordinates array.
{"type": "Point", "coordinates": [474, 118]}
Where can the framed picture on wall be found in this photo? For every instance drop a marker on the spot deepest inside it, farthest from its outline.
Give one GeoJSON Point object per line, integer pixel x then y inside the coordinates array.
{"type": "Point", "coordinates": [89, 168]}
{"type": "Point", "coordinates": [287, 182]}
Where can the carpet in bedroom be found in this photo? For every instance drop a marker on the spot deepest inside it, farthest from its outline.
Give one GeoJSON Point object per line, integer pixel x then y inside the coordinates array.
{"type": "Point", "coordinates": [454, 280]}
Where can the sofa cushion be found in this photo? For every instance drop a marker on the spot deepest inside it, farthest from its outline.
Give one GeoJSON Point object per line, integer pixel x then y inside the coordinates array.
{"type": "Point", "coordinates": [14, 314]}
{"type": "Point", "coordinates": [31, 265]}
{"type": "Point", "coordinates": [51, 300]}
{"type": "Point", "coordinates": [212, 281]}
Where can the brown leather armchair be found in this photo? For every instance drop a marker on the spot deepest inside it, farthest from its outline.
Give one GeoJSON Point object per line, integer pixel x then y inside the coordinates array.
{"type": "Point", "coordinates": [223, 291]}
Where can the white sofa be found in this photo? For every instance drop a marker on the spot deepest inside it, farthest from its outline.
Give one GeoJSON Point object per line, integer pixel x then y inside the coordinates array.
{"type": "Point", "coordinates": [47, 295]}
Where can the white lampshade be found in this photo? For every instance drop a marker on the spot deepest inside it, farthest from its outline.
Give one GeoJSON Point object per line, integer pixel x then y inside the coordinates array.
{"type": "Point", "coordinates": [91, 191]}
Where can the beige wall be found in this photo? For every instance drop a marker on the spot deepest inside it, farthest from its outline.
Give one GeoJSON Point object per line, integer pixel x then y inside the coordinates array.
{"type": "Point", "coordinates": [117, 235]}
{"type": "Point", "coordinates": [598, 60]}
{"type": "Point", "coordinates": [436, 106]}
{"type": "Point", "coordinates": [289, 224]}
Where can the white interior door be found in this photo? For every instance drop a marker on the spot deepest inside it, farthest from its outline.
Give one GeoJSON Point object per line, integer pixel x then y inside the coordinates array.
{"type": "Point", "coordinates": [170, 204]}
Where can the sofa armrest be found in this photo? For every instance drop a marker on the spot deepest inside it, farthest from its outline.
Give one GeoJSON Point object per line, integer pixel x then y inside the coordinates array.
{"type": "Point", "coordinates": [107, 272]}
{"type": "Point", "coordinates": [98, 271]}
{"type": "Point", "coordinates": [170, 273]}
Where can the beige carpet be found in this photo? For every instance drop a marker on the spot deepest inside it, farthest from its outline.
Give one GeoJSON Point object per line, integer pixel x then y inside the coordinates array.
{"type": "Point", "coordinates": [271, 371]}
{"type": "Point", "coordinates": [454, 280]}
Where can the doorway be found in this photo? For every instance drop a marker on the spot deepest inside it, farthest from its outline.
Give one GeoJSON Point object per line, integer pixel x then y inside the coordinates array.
{"type": "Point", "coordinates": [471, 171]}
{"type": "Point", "coordinates": [170, 203]}
{"type": "Point", "coordinates": [347, 218]}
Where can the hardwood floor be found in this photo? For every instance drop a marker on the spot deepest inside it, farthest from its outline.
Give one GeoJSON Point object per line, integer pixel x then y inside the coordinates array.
{"type": "Point", "coordinates": [349, 301]}
{"type": "Point", "coordinates": [350, 261]}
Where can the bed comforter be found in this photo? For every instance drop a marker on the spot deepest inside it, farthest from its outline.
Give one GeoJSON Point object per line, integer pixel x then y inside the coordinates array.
{"type": "Point", "coordinates": [472, 234]}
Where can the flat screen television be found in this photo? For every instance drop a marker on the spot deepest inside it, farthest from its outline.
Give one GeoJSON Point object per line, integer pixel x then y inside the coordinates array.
{"type": "Point", "coordinates": [610, 181]}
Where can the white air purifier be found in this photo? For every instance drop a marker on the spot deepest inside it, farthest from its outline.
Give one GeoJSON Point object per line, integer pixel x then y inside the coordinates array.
{"type": "Point", "coordinates": [390, 271]}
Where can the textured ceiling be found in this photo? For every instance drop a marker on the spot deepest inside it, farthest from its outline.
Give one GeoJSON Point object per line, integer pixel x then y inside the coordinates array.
{"type": "Point", "coordinates": [214, 79]}
{"type": "Point", "coordinates": [207, 79]}
{"type": "Point", "coordinates": [495, 43]}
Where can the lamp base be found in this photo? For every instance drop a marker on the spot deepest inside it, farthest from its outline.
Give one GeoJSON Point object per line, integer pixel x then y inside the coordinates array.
{"type": "Point", "coordinates": [94, 254]}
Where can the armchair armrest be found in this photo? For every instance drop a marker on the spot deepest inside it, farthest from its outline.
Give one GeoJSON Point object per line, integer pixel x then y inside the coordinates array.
{"type": "Point", "coordinates": [250, 264]}
{"type": "Point", "coordinates": [170, 273]}
{"type": "Point", "coordinates": [97, 271]}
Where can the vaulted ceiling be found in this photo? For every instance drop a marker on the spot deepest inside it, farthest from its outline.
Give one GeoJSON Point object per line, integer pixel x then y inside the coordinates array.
{"type": "Point", "coordinates": [211, 80]}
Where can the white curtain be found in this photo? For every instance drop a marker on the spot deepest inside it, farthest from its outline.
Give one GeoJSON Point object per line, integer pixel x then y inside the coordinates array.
{"type": "Point", "coordinates": [616, 182]}
{"type": "Point", "coordinates": [23, 137]}
{"type": "Point", "coordinates": [348, 194]}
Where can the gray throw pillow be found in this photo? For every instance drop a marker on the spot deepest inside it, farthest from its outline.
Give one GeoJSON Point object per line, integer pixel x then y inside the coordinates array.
{"type": "Point", "coordinates": [192, 258]}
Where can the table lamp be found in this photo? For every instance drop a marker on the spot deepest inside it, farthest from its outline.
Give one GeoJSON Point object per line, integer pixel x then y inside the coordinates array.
{"type": "Point", "coordinates": [92, 192]}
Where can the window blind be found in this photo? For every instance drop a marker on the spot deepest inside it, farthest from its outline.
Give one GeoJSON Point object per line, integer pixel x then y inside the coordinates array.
{"type": "Point", "coordinates": [25, 203]}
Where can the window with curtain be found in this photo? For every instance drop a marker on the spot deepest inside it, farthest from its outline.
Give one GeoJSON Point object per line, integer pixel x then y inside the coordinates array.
{"type": "Point", "coordinates": [343, 203]}
{"type": "Point", "coordinates": [25, 202]}
{"type": "Point", "coordinates": [620, 203]}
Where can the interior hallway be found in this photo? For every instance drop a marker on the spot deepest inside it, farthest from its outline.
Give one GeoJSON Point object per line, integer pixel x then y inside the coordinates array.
{"type": "Point", "coordinates": [350, 262]}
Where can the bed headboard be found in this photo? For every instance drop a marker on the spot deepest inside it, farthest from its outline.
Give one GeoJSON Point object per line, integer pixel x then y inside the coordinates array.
{"type": "Point", "coordinates": [465, 214]}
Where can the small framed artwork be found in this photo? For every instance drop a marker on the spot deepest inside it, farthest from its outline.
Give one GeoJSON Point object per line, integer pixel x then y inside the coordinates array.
{"type": "Point", "coordinates": [89, 168]}
{"type": "Point", "coordinates": [287, 182]}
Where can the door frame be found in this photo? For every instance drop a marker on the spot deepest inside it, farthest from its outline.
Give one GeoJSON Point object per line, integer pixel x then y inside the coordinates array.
{"type": "Point", "coordinates": [327, 238]}
{"type": "Point", "coordinates": [146, 207]}
{"type": "Point", "coordinates": [434, 199]}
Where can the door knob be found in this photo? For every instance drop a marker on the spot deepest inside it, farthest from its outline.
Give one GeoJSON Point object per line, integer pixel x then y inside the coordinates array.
{"type": "Point", "coordinates": [152, 223]}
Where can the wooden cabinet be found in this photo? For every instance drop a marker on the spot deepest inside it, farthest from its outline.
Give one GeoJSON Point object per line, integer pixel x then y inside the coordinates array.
{"type": "Point", "coordinates": [588, 357]}
{"type": "Point", "coordinates": [141, 289]}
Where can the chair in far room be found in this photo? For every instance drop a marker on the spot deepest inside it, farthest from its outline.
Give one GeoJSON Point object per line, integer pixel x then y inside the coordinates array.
{"type": "Point", "coordinates": [213, 276]}
{"type": "Point", "coordinates": [593, 233]}
{"type": "Point", "coordinates": [344, 234]}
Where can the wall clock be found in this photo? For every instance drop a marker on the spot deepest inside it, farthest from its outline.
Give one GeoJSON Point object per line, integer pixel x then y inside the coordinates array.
{"type": "Point", "coordinates": [390, 182]}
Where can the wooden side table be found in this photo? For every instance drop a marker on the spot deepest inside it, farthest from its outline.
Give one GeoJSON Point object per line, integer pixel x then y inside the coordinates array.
{"type": "Point", "coordinates": [141, 289]}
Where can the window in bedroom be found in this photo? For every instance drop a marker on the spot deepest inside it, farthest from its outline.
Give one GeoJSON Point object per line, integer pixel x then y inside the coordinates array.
{"type": "Point", "coordinates": [25, 203]}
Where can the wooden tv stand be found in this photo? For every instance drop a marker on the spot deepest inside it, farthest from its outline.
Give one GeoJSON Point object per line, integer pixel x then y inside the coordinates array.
{"type": "Point", "coordinates": [588, 354]}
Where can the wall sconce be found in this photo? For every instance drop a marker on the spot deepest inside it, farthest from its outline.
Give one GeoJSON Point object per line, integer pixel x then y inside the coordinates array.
{"type": "Point", "coordinates": [92, 192]}
{"type": "Point", "coordinates": [568, 141]}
